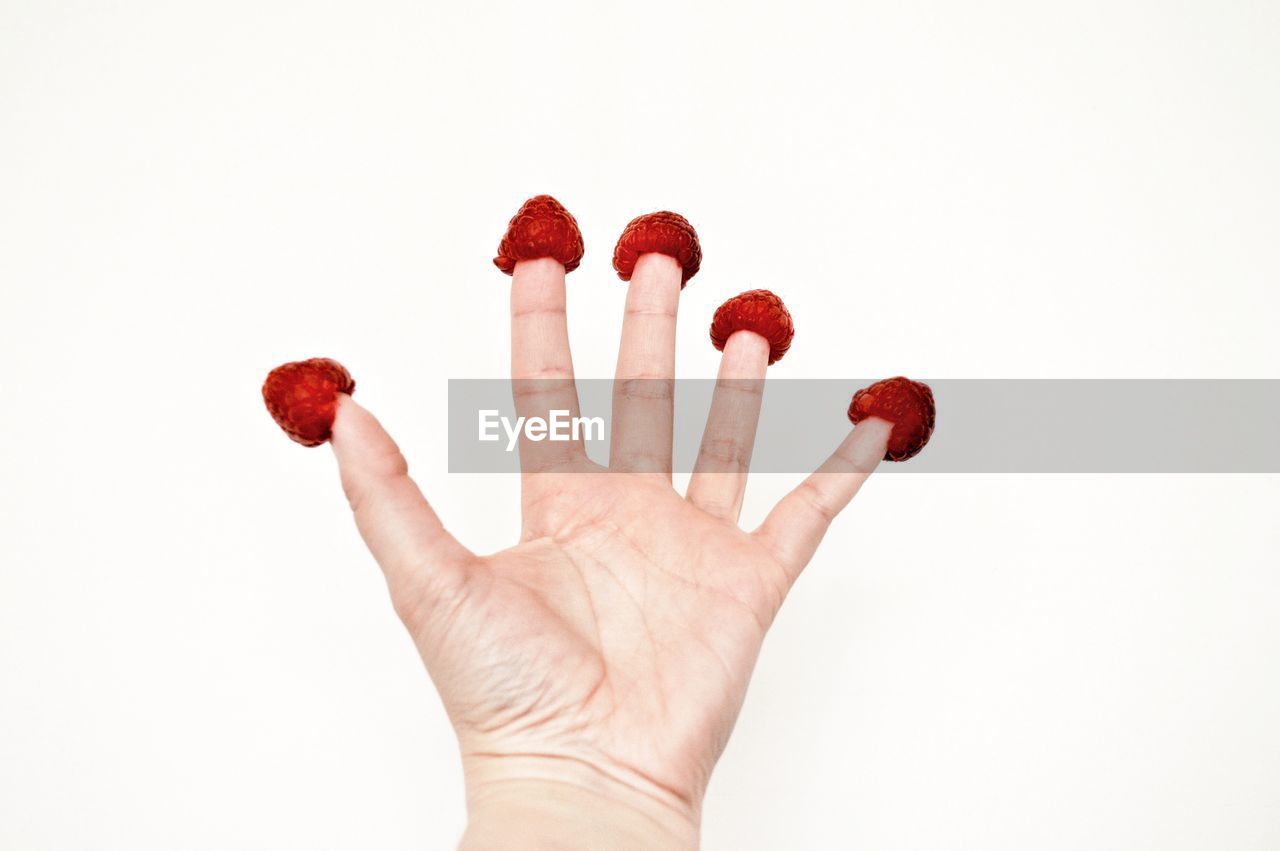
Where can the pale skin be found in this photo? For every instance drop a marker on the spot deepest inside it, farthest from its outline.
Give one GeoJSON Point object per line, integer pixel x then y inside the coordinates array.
{"type": "Point", "coordinates": [593, 671]}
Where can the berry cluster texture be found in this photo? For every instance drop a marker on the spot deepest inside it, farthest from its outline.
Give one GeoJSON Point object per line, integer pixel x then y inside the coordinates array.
{"type": "Point", "coordinates": [541, 228]}
{"type": "Point", "coordinates": [658, 233]}
{"type": "Point", "coordinates": [755, 310]}
{"type": "Point", "coordinates": [905, 403]}
{"type": "Point", "coordinates": [302, 397]}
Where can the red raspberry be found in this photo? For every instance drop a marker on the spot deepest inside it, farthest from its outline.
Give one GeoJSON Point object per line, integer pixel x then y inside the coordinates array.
{"type": "Point", "coordinates": [302, 397]}
{"type": "Point", "coordinates": [905, 403]}
{"type": "Point", "coordinates": [755, 310]}
{"type": "Point", "coordinates": [661, 233]}
{"type": "Point", "coordinates": [541, 228]}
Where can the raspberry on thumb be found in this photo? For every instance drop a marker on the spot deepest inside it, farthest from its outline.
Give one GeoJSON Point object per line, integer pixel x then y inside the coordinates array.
{"type": "Point", "coordinates": [905, 403]}
{"type": "Point", "coordinates": [302, 397]}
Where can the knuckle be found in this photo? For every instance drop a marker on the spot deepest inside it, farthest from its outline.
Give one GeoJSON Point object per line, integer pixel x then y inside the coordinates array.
{"type": "Point", "coordinates": [816, 501]}
{"type": "Point", "coordinates": [728, 454]}
{"type": "Point", "coordinates": [646, 387]}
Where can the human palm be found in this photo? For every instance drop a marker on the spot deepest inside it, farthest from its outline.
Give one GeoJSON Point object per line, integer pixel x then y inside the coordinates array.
{"type": "Point", "coordinates": [621, 635]}
{"type": "Point", "coordinates": [612, 646]}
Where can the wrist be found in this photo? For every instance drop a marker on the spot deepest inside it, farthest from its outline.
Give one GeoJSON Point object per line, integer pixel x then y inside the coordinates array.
{"type": "Point", "coordinates": [534, 802]}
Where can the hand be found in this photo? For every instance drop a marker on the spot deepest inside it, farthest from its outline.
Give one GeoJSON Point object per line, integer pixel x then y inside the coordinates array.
{"type": "Point", "coordinates": [593, 672]}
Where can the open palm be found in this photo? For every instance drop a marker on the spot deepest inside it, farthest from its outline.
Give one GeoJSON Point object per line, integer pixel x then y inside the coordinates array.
{"type": "Point", "coordinates": [612, 646]}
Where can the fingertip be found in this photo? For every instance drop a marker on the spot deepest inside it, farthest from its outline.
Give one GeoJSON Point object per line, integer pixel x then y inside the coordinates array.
{"type": "Point", "coordinates": [869, 442]}
{"type": "Point", "coordinates": [874, 428]}
{"type": "Point", "coordinates": [359, 440]}
{"type": "Point", "coordinates": [745, 355]}
{"type": "Point", "coordinates": [392, 514]}
{"type": "Point", "coordinates": [347, 421]}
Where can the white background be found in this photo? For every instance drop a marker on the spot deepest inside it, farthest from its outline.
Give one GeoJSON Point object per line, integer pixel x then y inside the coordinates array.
{"type": "Point", "coordinates": [197, 653]}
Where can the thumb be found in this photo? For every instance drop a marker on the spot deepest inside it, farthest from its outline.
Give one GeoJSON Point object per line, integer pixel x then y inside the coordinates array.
{"type": "Point", "coordinates": [416, 553]}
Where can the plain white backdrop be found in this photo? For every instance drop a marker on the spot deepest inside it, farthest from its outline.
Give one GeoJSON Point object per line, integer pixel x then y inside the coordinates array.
{"type": "Point", "coordinates": [197, 653]}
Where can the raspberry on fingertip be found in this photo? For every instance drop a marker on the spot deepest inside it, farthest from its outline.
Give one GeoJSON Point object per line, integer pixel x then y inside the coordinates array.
{"type": "Point", "coordinates": [302, 397]}
{"type": "Point", "coordinates": [663, 232]}
{"type": "Point", "coordinates": [905, 403]}
{"type": "Point", "coordinates": [759, 311]}
{"type": "Point", "coordinates": [542, 227]}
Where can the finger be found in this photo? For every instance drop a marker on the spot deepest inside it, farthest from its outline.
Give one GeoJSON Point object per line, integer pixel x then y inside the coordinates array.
{"type": "Point", "coordinates": [644, 384]}
{"type": "Point", "coordinates": [541, 365]}
{"type": "Point", "coordinates": [399, 527]}
{"type": "Point", "coordinates": [795, 526]}
{"type": "Point", "coordinates": [719, 477]}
